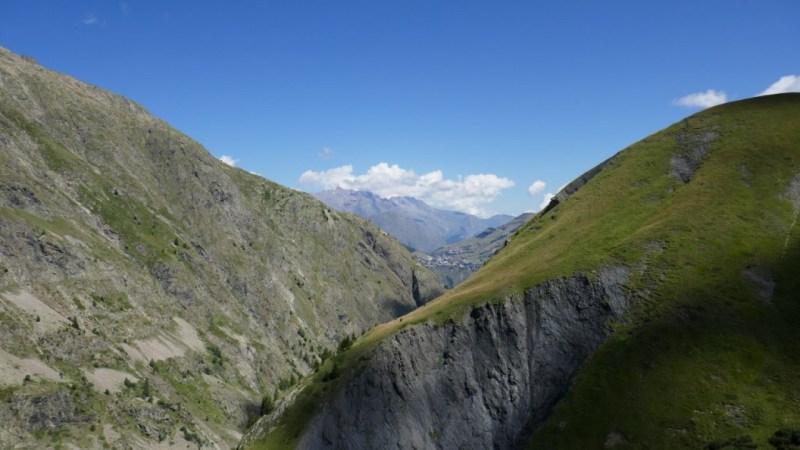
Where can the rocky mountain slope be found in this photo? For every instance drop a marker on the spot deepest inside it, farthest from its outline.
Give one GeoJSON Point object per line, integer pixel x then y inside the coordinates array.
{"type": "Point", "coordinates": [413, 222]}
{"type": "Point", "coordinates": [653, 305]}
{"type": "Point", "coordinates": [455, 262]}
{"type": "Point", "coordinates": [151, 296]}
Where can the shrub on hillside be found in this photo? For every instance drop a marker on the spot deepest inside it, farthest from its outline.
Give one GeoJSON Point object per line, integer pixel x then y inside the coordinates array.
{"type": "Point", "coordinates": [786, 439]}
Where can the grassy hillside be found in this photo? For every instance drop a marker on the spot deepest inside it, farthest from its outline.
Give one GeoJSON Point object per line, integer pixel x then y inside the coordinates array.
{"type": "Point", "coordinates": [713, 355]}
{"type": "Point", "coordinates": [150, 293]}
{"type": "Point", "coordinates": [737, 211]}
{"type": "Point", "coordinates": [703, 215]}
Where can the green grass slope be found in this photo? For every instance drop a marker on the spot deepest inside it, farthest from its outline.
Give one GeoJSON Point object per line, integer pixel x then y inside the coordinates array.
{"type": "Point", "coordinates": [711, 357]}
{"type": "Point", "coordinates": [703, 214]}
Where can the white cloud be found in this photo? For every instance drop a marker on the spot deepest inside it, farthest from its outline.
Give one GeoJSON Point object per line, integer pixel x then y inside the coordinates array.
{"type": "Point", "coordinates": [470, 194]}
{"type": "Point", "coordinates": [536, 187]}
{"type": "Point", "coordinates": [787, 83]}
{"type": "Point", "coordinates": [229, 160]}
{"type": "Point", "coordinates": [89, 20]}
{"type": "Point", "coordinates": [326, 153]}
{"type": "Point", "coordinates": [123, 6]}
{"type": "Point", "coordinates": [705, 99]}
{"type": "Point", "coordinates": [329, 179]}
{"type": "Point", "coordinates": [546, 200]}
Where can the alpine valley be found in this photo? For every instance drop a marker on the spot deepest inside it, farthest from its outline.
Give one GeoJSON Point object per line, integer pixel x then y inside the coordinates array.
{"type": "Point", "coordinates": [153, 297]}
{"type": "Point", "coordinates": [653, 304]}
{"type": "Point", "coordinates": [452, 244]}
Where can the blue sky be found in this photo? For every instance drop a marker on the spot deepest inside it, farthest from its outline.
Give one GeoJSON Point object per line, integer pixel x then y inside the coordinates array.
{"type": "Point", "coordinates": [462, 103]}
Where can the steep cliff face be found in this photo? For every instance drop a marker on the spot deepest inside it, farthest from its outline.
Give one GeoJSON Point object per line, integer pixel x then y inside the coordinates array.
{"type": "Point", "coordinates": [146, 287]}
{"type": "Point", "coordinates": [480, 383]}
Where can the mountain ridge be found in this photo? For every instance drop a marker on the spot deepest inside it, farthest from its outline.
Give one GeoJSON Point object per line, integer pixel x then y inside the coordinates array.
{"type": "Point", "coordinates": [150, 293]}
{"type": "Point", "coordinates": [412, 221]}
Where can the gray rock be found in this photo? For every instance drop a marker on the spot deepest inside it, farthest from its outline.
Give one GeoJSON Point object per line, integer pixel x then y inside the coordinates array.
{"type": "Point", "coordinates": [793, 192]}
{"type": "Point", "coordinates": [483, 382]}
{"type": "Point", "coordinates": [48, 411]}
{"type": "Point", "coordinates": [692, 147]}
{"type": "Point", "coordinates": [568, 190]}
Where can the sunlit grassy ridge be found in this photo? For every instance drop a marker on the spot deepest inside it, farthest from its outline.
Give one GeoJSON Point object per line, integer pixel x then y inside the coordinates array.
{"type": "Point", "coordinates": [701, 214]}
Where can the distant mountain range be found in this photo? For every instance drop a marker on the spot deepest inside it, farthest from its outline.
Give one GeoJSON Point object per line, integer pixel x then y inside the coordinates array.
{"type": "Point", "coordinates": [414, 223]}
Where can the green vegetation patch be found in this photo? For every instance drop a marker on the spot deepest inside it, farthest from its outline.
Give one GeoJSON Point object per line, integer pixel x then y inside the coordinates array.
{"type": "Point", "coordinates": [56, 156]}
{"type": "Point", "coordinates": [56, 225]}
{"type": "Point", "coordinates": [142, 231]}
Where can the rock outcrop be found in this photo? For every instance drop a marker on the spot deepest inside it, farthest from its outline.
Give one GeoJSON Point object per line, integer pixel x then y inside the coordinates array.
{"type": "Point", "coordinates": [480, 383]}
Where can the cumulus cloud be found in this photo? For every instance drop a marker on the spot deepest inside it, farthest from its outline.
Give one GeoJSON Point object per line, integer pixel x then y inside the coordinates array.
{"type": "Point", "coordinates": [326, 153]}
{"type": "Point", "coordinates": [470, 194]}
{"type": "Point", "coordinates": [705, 99]}
{"type": "Point", "coordinates": [787, 83]}
{"type": "Point", "coordinates": [229, 160]}
{"type": "Point", "coordinates": [536, 187]}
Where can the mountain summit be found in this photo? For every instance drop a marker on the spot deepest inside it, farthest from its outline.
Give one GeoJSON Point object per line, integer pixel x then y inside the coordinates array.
{"type": "Point", "coordinates": [653, 305]}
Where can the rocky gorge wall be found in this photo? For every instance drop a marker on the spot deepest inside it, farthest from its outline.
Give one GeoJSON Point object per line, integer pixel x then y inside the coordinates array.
{"type": "Point", "coordinates": [484, 382]}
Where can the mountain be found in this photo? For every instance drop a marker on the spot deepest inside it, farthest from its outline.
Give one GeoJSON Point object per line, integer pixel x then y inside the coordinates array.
{"type": "Point", "coordinates": [414, 223]}
{"type": "Point", "coordinates": [152, 296]}
{"type": "Point", "coordinates": [455, 262]}
{"type": "Point", "coordinates": [654, 304]}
